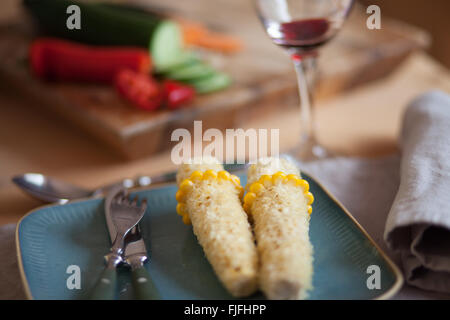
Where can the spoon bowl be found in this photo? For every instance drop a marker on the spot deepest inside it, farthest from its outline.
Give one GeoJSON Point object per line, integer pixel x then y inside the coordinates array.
{"type": "Point", "coordinates": [50, 189]}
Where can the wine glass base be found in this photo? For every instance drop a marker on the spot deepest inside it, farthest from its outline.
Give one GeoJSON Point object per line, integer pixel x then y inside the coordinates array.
{"type": "Point", "coordinates": [307, 152]}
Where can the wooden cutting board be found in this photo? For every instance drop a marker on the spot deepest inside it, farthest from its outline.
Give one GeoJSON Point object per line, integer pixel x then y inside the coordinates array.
{"type": "Point", "coordinates": [263, 77]}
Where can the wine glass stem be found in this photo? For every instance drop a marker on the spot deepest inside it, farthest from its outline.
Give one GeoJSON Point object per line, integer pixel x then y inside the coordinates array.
{"type": "Point", "coordinates": [305, 70]}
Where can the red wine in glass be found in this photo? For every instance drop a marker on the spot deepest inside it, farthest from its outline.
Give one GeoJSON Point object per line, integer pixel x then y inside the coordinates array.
{"type": "Point", "coordinates": [301, 35]}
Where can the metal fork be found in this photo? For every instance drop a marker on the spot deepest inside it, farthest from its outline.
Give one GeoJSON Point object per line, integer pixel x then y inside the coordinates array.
{"type": "Point", "coordinates": [124, 214]}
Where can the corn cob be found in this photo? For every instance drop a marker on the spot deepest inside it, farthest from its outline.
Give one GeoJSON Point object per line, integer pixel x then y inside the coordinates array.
{"type": "Point", "coordinates": [210, 198]}
{"type": "Point", "coordinates": [279, 203]}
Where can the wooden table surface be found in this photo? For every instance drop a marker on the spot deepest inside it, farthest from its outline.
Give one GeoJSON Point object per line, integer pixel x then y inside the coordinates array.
{"type": "Point", "coordinates": [364, 122]}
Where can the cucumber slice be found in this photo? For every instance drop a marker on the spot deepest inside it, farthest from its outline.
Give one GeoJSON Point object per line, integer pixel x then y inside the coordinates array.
{"type": "Point", "coordinates": [191, 72]}
{"type": "Point", "coordinates": [184, 60]}
{"type": "Point", "coordinates": [214, 82]}
{"type": "Point", "coordinates": [165, 45]}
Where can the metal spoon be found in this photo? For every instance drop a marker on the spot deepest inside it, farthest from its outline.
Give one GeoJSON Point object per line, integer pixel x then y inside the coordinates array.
{"type": "Point", "coordinates": [51, 189]}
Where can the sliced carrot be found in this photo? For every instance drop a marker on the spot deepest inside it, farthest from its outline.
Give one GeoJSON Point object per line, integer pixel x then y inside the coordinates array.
{"type": "Point", "coordinates": [192, 33]}
{"type": "Point", "coordinates": [220, 42]}
{"type": "Point", "coordinates": [191, 30]}
{"type": "Point", "coordinates": [196, 34]}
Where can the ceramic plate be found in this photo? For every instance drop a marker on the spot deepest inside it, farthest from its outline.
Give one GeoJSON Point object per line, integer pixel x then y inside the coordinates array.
{"type": "Point", "coordinates": [53, 238]}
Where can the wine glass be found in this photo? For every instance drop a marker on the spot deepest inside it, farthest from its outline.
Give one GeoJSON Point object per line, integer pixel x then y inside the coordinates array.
{"type": "Point", "coordinates": [301, 27]}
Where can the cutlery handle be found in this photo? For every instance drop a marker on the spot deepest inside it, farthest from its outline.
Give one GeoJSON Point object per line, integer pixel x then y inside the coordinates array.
{"type": "Point", "coordinates": [105, 288]}
{"type": "Point", "coordinates": [143, 285]}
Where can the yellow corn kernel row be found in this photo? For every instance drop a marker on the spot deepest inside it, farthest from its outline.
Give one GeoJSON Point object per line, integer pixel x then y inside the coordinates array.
{"type": "Point", "coordinates": [187, 184]}
{"type": "Point", "coordinates": [266, 181]}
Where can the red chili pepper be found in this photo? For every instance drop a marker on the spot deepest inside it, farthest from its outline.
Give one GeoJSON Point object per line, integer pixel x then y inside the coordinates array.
{"type": "Point", "coordinates": [140, 89]}
{"type": "Point", "coordinates": [55, 59]}
{"type": "Point", "coordinates": [177, 94]}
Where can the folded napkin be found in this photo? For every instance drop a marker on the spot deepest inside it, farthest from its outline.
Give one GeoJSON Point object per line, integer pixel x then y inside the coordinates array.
{"type": "Point", "coordinates": [418, 224]}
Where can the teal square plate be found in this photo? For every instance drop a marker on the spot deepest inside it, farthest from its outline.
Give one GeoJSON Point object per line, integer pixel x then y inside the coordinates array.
{"type": "Point", "coordinates": [53, 239]}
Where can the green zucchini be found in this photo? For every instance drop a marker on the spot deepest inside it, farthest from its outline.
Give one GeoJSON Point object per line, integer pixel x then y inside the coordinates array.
{"type": "Point", "coordinates": [100, 24]}
{"type": "Point", "coordinates": [156, 12]}
{"type": "Point", "coordinates": [216, 81]}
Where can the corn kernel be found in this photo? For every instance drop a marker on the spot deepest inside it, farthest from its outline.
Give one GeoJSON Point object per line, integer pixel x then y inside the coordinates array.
{"type": "Point", "coordinates": [181, 209]}
{"type": "Point", "coordinates": [309, 196]}
{"type": "Point", "coordinates": [256, 188]}
{"type": "Point", "coordinates": [186, 185]}
{"type": "Point", "coordinates": [235, 180]}
{"type": "Point", "coordinates": [249, 198]}
{"type": "Point", "coordinates": [196, 175]}
{"type": "Point", "coordinates": [224, 175]}
{"type": "Point", "coordinates": [265, 180]}
{"type": "Point", "coordinates": [210, 175]}
{"type": "Point", "coordinates": [304, 184]}
{"type": "Point", "coordinates": [292, 179]}
{"type": "Point", "coordinates": [186, 219]}
{"type": "Point", "coordinates": [309, 210]}
{"type": "Point", "coordinates": [278, 178]}
{"type": "Point", "coordinates": [180, 196]}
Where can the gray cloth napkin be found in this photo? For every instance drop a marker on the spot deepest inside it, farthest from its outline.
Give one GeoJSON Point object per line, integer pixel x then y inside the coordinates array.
{"type": "Point", "coordinates": [418, 225]}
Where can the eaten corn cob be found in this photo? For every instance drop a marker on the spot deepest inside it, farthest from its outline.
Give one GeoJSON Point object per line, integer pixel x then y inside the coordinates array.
{"type": "Point", "coordinates": [279, 203]}
{"type": "Point", "coordinates": [209, 198]}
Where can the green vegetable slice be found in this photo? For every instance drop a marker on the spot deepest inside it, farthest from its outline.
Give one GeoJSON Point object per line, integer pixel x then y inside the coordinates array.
{"type": "Point", "coordinates": [184, 60]}
{"type": "Point", "coordinates": [191, 72]}
{"type": "Point", "coordinates": [214, 82]}
{"type": "Point", "coordinates": [166, 46]}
